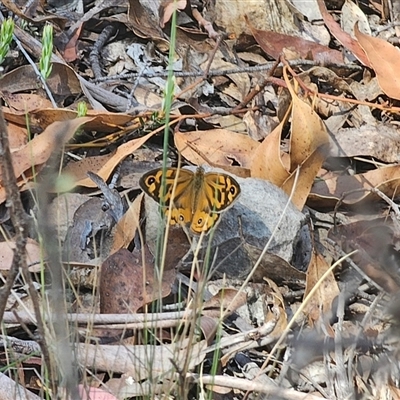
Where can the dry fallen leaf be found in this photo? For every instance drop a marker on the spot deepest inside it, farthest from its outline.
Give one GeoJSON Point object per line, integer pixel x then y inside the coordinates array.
{"type": "Point", "coordinates": [306, 177]}
{"type": "Point", "coordinates": [126, 227]}
{"type": "Point", "coordinates": [221, 303]}
{"type": "Point", "coordinates": [275, 308]}
{"type": "Point", "coordinates": [167, 8]}
{"type": "Point", "coordinates": [34, 255]}
{"type": "Point", "coordinates": [321, 302]}
{"type": "Point", "coordinates": [308, 143]}
{"type": "Point", "coordinates": [308, 132]}
{"type": "Point", "coordinates": [36, 152]}
{"type": "Point", "coordinates": [344, 38]}
{"type": "Point", "coordinates": [217, 146]}
{"type": "Point", "coordinates": [267, 162]}
{"type": "Point", "coordinates": [273, 43]}
{"type": "Point", "coordinates": [126, 285]}
{"type": "Point", "coordinates": [384, 59]}
{"type": "Point", "coordinates": [123, 151]}
{"type": "Point", "coordinates": [355, 188]}
{"type": "Point", "coordinates": [351, 15]}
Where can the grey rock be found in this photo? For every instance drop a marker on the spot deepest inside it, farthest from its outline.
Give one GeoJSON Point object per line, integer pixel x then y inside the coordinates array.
{"type": "Point", "coordinates": [249, 224]}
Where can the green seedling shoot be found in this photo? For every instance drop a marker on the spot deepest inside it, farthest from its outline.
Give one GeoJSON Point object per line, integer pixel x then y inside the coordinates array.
{"type": "Point", "coordinates": [6, 34]}
{"type": "Point", "coordinates": [45, 65]}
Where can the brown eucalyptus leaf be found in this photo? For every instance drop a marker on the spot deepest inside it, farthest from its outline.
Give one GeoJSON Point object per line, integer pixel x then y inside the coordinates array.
{"type": "Point", "coordinates": [127, 285]}
{"type": "Point", "coordinates": [384, 59]}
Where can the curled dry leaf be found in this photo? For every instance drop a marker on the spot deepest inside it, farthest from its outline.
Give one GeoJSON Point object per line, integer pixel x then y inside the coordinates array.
{"type": "Point", "coordinates": [351, 15]}
{"type": "Point", "coordinates": [308, 132]}
{"type": "Point", "coordinates": [143, 22]}
{"type": "Point", "coordinates": [39, 149]}
{"type": "Point", "coordinates": [208, 326]}
{"type": "Point", "coordinates": [309, 143]}
{"type": "Point", "coordinates": [275, 309]}
{"type": "Point", "coordinates": [267, 162]}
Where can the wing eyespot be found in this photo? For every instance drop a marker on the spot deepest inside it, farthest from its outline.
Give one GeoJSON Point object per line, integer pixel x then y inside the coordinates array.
{"type": "Point", "coordinates": [150, 180]}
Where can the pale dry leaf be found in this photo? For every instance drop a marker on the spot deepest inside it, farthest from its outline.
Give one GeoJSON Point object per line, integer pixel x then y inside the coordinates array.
{"type": "Point", "coordinates": [25, 102]}
{"type": "Point", "coordinates": [42, 146]}
{"type": "Point", "coordinates": [351, 14]}
{"type": "Point", "coordinates": [93, 393]}
{"type": "Point", "coordinates": [18, 136]}
{"type": "Point", "coordinates": [377, 140]}
{"type": "Point", "coordinates": [126, 228]}
{"type": "Point", "coordinates": [78, 170]}
{"type": "Point", "coordinates": [135, 360]}
{"type": "Point", "coordinates": [34, 255]}
{"type": "Point", "coordinates": [309, 8]}
{"type": "Point", "coordinates": [168, 7]}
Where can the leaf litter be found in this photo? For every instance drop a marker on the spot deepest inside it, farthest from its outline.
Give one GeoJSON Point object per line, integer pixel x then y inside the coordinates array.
{"type": "Point", "coordinates": [271, 103]}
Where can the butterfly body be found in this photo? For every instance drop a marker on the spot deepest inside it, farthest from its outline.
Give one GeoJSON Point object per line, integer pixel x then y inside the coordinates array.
{"type": "Point", "coordinates": [197, 199]}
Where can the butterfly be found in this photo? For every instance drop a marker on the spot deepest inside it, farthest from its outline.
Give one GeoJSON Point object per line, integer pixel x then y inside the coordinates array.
{"type": "Point", "coordinates": [198, 199]}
